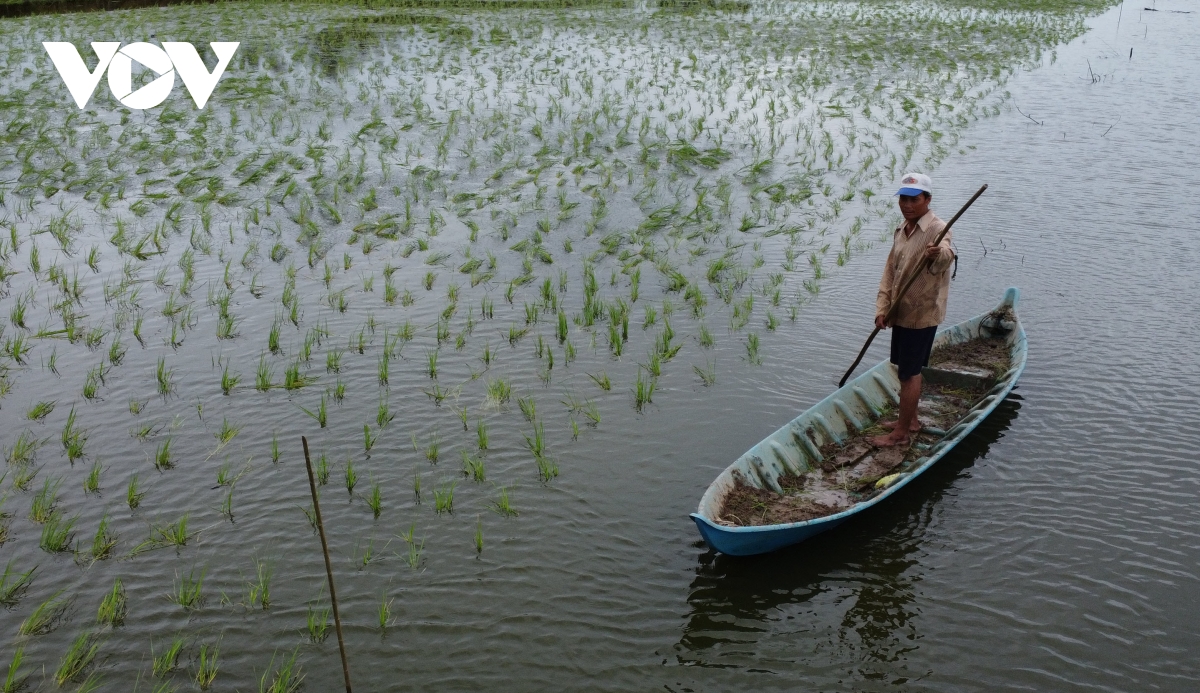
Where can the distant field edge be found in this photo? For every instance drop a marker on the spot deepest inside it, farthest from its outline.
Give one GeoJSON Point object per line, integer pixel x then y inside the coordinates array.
{"type": "Point", "coordinates": [23, 8]}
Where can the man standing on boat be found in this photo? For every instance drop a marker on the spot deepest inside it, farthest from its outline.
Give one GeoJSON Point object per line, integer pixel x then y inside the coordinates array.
{"type": "Point", "coordinates": [923, 307]}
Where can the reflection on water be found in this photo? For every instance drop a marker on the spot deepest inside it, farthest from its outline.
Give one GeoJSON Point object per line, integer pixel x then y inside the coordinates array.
{"type": "Point", "coordinates": [746, 612]}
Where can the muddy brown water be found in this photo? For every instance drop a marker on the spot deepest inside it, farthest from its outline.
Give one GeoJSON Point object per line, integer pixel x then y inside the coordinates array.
{"type": "Point", "coordinates": [1056, 549]}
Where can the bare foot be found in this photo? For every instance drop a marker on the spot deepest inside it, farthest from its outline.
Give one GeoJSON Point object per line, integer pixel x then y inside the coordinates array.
{"type": "Point", "coordinates": [891, 425]}
{"type": "Point", "coordinates": [892, 439]}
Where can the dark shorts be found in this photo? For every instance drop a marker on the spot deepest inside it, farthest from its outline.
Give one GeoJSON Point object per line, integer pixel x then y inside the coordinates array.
{"type": "Point", "coordinates": [910, 349]}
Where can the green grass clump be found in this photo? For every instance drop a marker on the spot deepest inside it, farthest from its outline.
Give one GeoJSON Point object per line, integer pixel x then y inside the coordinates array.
{"type": "Point", "coordinates": [45, 501]}
{"type": "Point", "coordinates": [601, 381]}
{"type": "Point", "coordinates": [23, 449]}
{"type": "Point", "coordinates": [162, 456]}
{"type": "Point", "coordinates": [502, 504]}
{"type": "Point", "coordinates": [163, 664]}
{"type": "Point", "coordinates": [113, 607]}
{"type": "Point", "coordinates": [40, 411]}
{"type": "Point", "coordinates": [57, 533]}
{"type": "Point", "coordinates": [14, 681]}
{"type": "Point", "coordinates": [133, 492]}
{"type": "Point", "coordinates": [46, 616]}
{"type": "Point", "coordinates": [443, 497]}
{"type": "Point", "coordinates": [375, 500]}
{"type": "Point", "coordinates": [498, 392]}
{"type": "Point", "coordinates": [286, 679]}
{"type": "Point", "coordinates": [207, 666]}
{"type": "Point", "coordinates": [473, 467]}
{"type": "Point", "coordinates": [318, 624]}
{"type": "Point", "coordinates": [78, 659]}
{"type": "Point", "coordinates": [258, 589]}
{"type": "Point", "coordinates": [189, 591]}
{"type": "Point", "coordinates": [14, 585]}
{"type": "Point", "coordinates": [643, 391]}
{"type": "Point", "coordinates": [104, 540]}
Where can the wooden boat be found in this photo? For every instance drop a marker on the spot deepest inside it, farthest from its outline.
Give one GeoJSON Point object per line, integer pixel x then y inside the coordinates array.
{"type": "Point", "coordinates": [796, 449]}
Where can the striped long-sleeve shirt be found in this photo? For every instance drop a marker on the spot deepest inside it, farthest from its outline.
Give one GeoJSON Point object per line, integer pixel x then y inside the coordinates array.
{"type": "Point", "coordinates": [925, 303]}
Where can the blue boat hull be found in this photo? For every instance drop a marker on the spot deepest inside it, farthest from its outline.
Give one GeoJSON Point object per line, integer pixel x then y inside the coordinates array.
{"type": "Point", "coordinates": [794, 448]}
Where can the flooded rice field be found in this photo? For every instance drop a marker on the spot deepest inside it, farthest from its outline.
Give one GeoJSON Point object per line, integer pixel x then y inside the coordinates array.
{"type": "Point", "coordinates": [528, 279]}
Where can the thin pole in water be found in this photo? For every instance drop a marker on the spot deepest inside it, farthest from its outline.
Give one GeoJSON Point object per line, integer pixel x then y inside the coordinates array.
{"type": "Point", "coordinates": [337, 619]}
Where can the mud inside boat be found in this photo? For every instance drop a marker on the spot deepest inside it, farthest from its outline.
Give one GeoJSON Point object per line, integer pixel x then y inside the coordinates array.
{"type": "Point", "coordinates": [959, 375]}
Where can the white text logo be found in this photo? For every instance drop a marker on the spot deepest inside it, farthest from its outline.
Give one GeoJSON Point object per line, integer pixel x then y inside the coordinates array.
{"type": "Point", "coordinates": [165, 62]}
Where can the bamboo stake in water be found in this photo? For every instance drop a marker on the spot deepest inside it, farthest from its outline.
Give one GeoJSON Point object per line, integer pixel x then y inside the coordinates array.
{"type": "Point", "coordinates": [337, 619]}
{"type": "Point", "coordinates": [891, 314]}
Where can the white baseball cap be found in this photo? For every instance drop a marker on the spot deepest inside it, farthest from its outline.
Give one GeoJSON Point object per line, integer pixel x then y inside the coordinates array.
{"type": "Point", "coordinates": [915, 184]}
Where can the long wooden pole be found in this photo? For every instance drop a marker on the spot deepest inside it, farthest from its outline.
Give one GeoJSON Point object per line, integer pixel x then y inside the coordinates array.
{"type": "Point", "coordinates": [891, 314]}
{"type": "Point", "coordinates": [337, 619]}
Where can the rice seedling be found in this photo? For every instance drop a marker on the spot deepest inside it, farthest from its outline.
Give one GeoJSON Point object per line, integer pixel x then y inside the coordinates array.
{"type": "Point", "coordinates": [14, 681]}
{"type": "Point", "coordinates": [547, 467]}
{"type": "Point", "coordinates": [164, 377]}
{"type": "Point", "coordinates": [653, 364]}
{"type": "Point", "coordinates": [643, 391]}
{"type": "Point", "coordinates": [318, 624]}
{"type": "Point", "coordinates": [91, 385]}
{"type": "Point", "coordinates": [375, 499]}
{"type": "Point", "coordinates": [57, 533]}
{"type": "Point", "coordinates": [40, 411]}
{"type": "Point", "coordinates": [322, 470]}
{"type": "Point", "coordinates": [383, 369]}
{"type": "Point", "coordinates": [23, 449]}
{"type": "Point", "coordinates": [78, 659]}
{"type": "Point", "coordinates": [113, 606]}
{"type": "Point", "coordinates": [173, 534]}
{"type": "Point", "coordinates": [752, 346]}
{"type": "Point", "coordinates": [385, 613]}
{"type": "Point", "coordinates": [45, 501]}
{"type": "Point", "coordinates": [293, 379]}
{"type": "Point", "coordinates": [498, 392]}
{"type": "Point", "coordinates": [473, 467]}
{"type": "Point", "coordinates": [47, 615]}
{"type": "Point", "coordinates": [368, 555]}
{"type": "Point", "coordinates": [274, 448]}
{"type": "Point", "coordinates": [226, 508]}
{"type": "Point", "coordinates": [228, 382]}
{"type": "Point", "coordinates": [14, 585]}
{"type": "Point", "coordinates": [189, 591]}
{"type": "Point", "coordinates": [320, 414]}
{"type": "Point", "coordinates": [167, 662]}
{"type": "Point", "coordinates": [351, 477]}
{"type": "Point", "coordinates": [133, 493]}
{"type": "Point", "coordinates": [286, 679]}
{"type": "Point", "coordinates": [162, 456]}
{"type": "Point", "coordinates": [708, 374]}
{"type": "Point", "coordinates": [228, 431]}
{"type": "Point", "coordinates": [24, 477]}
{"type": "Point", "coordinates": [705, 337]}
{"type": "Point", "coordinates": [258, 589]}
{"type": "Point", "coordinates": [443, 497]}
{"type": "Point", "coordinates": [264, 375]}
{"type": "Point", "coordinates": [207, 666]}
{"type": "Point", "coordinates": [502, 504]}
{"type": "Point", "coordinates": [478, 535]}
{"type": "Point", "coordinates": [432, 450]}
{"type": "Point", "coordinates": [537, 443]}
{"type": "Point", "coordinates": [528, 408]}
{"type": "Point", "coordinates": [431, 356]}
{"type": "Point", "coordinates": [601, 381]}
{"type": "Point", "coordinates": [104, 540]}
